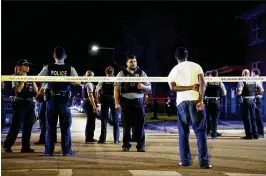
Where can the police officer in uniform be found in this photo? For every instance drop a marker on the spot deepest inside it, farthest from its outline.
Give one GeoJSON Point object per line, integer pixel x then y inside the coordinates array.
{"type": "Point", "coordinates": [132, 104]}
{"type": "Point", "coordinates": [90, 108]}
{"type": "Point", "coordinates": [213, 92]}
{"type": "Point", "coordinates": [58, 96]}
{"type": "Point", "coordinates": [23, 110]}
{"type": "Point", "coordinates": [259, 105]}
{"type": "Point", "coordinates": [105, 95]}
{"type": "Point", "coordinates": [248, 92]}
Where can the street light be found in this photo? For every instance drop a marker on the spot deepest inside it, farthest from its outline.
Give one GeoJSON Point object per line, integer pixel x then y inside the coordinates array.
{"type": "Point", "coordinates": [96, 48]}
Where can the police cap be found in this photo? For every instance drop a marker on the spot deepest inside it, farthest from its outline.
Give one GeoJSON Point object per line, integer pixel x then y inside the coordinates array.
{"type": "Point", "coordinates": [24, 62]}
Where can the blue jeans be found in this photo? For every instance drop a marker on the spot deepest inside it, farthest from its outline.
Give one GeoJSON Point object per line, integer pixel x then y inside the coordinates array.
{"type": "Point", "coordinates": [186, 113]}
{"type": "Point", "coordinates": [259, 116]}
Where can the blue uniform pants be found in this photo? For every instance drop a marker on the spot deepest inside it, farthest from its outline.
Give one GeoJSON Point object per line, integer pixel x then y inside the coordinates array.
{"type": "Point", "coordinates": [55, 107]}
{"type": "Point", "coordinates": [133, 114]}
{"type": "Point", "coordinates": [23, 112]}
{"type": "Point", "coordinates": [186, 113]}
{"type": "Point", "coordinates": [91, 118]}
{"type": "Point", "coordinates": [212, 117]}
{"type": "Point", "coordinates": [259, 116]}
{"type": "Point", "coordinates": [109, 102]}
{"type": "Point", "coordinates": [249, 118]}
{"type": "Point", "coordinates": [3, 114]}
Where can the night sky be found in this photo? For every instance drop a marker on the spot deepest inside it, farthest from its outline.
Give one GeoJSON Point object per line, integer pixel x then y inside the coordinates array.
{"type": "Point", "coordinates": [150, 30]}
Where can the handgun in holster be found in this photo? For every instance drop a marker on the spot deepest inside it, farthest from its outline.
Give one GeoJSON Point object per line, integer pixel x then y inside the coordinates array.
{"type": "Point", "coordinates": [47, 95]}
{"type": "Point", "coordinates": [69, 98]}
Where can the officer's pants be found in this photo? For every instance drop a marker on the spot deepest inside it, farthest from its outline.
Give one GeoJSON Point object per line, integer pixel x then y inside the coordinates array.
{"type": "Point", "coordinates": [249, 118]}
{"type": "Point", "coordinates": [91, 118]}
{"type": "Point", "coordinates": [259, 116]}
{"type": "Point", "coordinates": [3, 114]}
{"type": "Point", "coordinates": [23, 112]}
{"type": "Point", "coordinates": [133, 114]}
{"type": "Point", "coordinates": [186, 113]}
{"type": "Point", "coordinates": [42, 121]}
{"type": "Point", "coordinates": [55, 107]}
{"type": "Point", "coordinates": [108, 102]}
{"type": "Point", "coordinates": [212, 117]}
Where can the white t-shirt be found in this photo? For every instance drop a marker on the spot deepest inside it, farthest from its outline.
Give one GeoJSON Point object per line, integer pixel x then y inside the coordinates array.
{"type": "Point", "coordinates": [185, 74]}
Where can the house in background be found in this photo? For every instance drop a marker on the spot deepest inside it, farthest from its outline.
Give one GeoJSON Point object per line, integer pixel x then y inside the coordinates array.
{"type": "Point", "coordinates": [256, 37]}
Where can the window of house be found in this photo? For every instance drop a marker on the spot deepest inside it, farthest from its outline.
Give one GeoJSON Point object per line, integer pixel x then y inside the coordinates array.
{"type": "Point", "coordinates": [255, 30]}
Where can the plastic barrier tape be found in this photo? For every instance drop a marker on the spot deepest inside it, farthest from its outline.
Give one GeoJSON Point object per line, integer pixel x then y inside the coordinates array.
{"type": "Point", "coordinates": [119, 79]}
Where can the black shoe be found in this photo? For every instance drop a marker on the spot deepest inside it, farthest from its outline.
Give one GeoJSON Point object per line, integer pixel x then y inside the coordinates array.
{"type": "Point", "coordinates": [246, 138]}
{"type": "Point", "coordinates": [90, 141]}
{"type": "Point", "coordinates": [116, 142]}
{"type": "Point", "coordinates": [8, 150]}
{"type": "Point", "coordinates": [208, 166]}
{"type": "Point", "coordinates": [141, 149]}
{"type": "Point", "coordinates": [125, 149]}
{"type": "Point", "coordinates": [39, 143]}
{"type": "Point", "coordinates": [101, 142]}
{"type": "Point", "coordinates": [27, 150]}
{"type": "Point", "coordinates": [219, 134]}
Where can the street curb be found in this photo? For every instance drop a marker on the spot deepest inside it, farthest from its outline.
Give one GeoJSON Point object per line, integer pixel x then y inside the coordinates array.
{"type": "Point", "coordinates": [175, 130]}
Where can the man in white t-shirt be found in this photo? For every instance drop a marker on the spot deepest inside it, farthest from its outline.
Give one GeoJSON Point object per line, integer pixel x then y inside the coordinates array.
{"type": "Point", "coordinates": [187, 80]}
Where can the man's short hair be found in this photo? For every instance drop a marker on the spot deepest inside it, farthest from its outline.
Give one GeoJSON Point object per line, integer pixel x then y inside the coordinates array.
{"type": "Point", "coordinates": [109, 70]}
{"type": "Point", "coordinates": [59, 52]}
{"type": "Point", "coordinates": [256, 71]}
{"type": "Point", "coordinates": [181, 53]}
{"type": "Point", "coordinates": [207, 73]}
{"type": "Point", "coordinates": [131, 57]}
{"type": "Point", "coordinates": [214, 73]}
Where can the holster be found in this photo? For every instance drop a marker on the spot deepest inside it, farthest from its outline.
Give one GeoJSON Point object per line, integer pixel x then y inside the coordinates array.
{"type": "Point", "coordinates": [47, 95]}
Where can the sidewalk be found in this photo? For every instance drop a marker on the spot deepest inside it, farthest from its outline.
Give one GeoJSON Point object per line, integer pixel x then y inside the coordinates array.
{"type": "Point", "coordinates": [235, 127]}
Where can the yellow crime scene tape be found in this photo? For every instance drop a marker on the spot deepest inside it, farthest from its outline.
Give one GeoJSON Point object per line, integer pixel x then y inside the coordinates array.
{"type": "Point", "coordinates": [119, 79]}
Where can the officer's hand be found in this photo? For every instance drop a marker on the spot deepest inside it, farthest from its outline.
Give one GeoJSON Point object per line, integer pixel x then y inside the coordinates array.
{"type": "Point", "coordinates": [195, 87]}
{"type": "Point", "coordinates": [117, 106]}
{"type": "Point", "coordinates": [200, 106]}
{"type": "Point", "coordinates": [140, 86]}
{"type": "Point", "coordinates": [94, 109]}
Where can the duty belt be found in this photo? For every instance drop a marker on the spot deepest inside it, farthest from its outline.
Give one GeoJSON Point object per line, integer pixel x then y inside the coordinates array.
{"type": "Point", "coordinates": [23, 99]}
{"type": "Point", "coordinates": [212, 98]}
{"type": "Point", "coordinates": [61, 93]}
{"type": "Point", "coordinates": [249, 97]}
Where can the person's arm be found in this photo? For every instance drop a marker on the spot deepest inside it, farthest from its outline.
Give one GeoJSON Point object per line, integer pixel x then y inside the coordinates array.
{"type": "Point", "coordinates": [35, 87]}
{"type": "Point", "coordinates": [17, 86]}
{"type": "Point", "coordinates": [175, 88]}
{"type": "Point", "coordinates": [239, 88]}
{"type": "Point", "coordinates": [224, 92]}
{"type": "Point", "coordinates": [259, 87]}
{"type": "Point", "coordinates": [89, 88]}
{"type": "Point", "coordinates": [117, 87]}
{"type": "Point", "coordinates": [201, 86]}
{"type": "Point", "coordinates": [73, 72]}
{"type": "Point", "coordinates": [98, 88]}
{"type": "Point", "coordinates": [146, 86]}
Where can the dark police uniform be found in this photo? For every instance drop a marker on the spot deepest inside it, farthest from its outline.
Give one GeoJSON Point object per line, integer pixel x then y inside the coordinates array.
{"type": "Point", "coordinates": [88, 109]}
{"type": "Point", "coordinates": [57, 104]}
{"type": "Point", "coordinates": [249, 118]}
{"type": "Point", "coordinates": [213, 92]}
{"type": "Point", "coordinates": [23, 112]}
{"type": "Point", "coordinates": [259, 114]}
{"type": "Point", "coordinates": [106, 90]}
{"type": "Point", "coordinates": [133, 110]}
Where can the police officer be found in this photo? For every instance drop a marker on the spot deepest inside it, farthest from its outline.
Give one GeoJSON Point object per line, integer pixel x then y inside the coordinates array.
{"type": "Point", "coordinates": [248, 92]}
{"type": "Point", "coordinates": [105, 95]}
{"type": "Point", "coordinates": [57, 103]}
{"type": "Point", "coordinates": [132, 104]}
{"type": "Point", "coordinates": [90, 109]}
{"type": "Point", "coordinates": [259, 105]}
{"type": "Point", "coordinates": [213, 92]}
{"type": "Point", "coordinates": [23, 110]}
